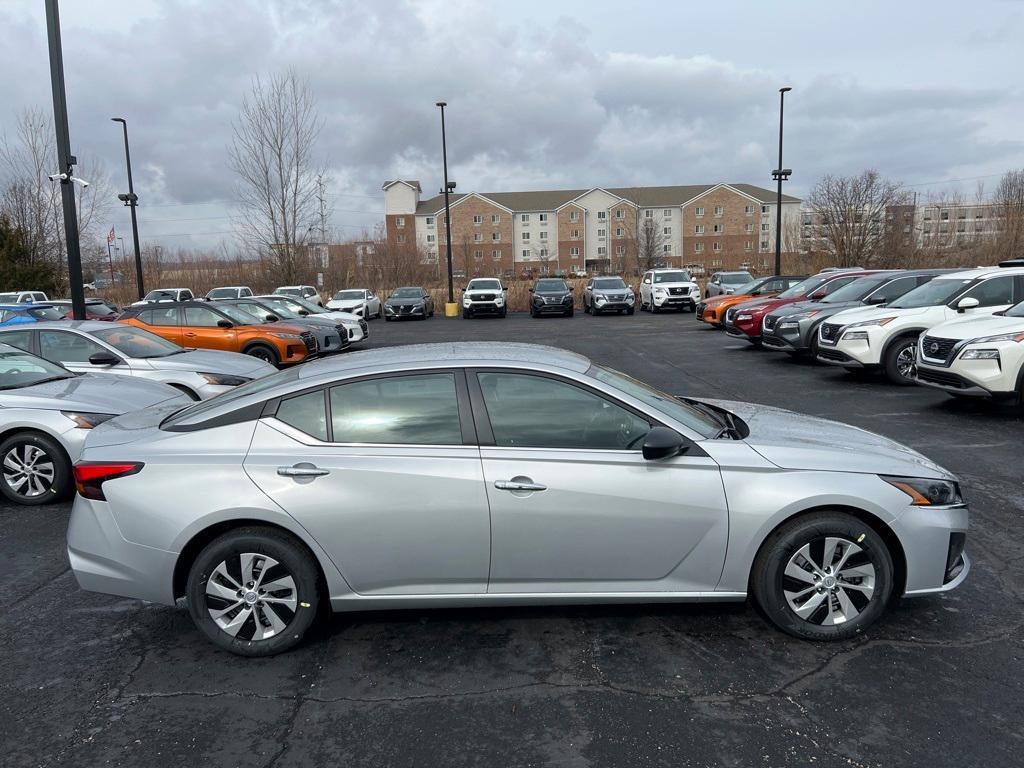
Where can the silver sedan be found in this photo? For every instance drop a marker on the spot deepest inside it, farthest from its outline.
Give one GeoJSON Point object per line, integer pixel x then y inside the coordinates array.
{"type": "Point", "coordinates": [92, 346]}
{"type": "Point", "coordinates": [45, 413]}
{"type": "Point", "coordinates": [501, 474]}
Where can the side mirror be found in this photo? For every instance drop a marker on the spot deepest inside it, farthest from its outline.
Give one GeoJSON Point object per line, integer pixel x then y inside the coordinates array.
{"type": "Point", "coordinates": [272, 318]}
{"type": "Point", "coordinates": [531, 290]}
{"type": "Point", "coordinates": [876, 300]}
{"type": "Point", "coordinates": [103, 358]}
{"type": "Point", "coordinates": [817, 296]}
{"type": "Point", "coordinates": [967, 303]}
{"type": "Point", "coordinates": [304, 313]}
{"type": "Point", "coordinates": [647, 281]}
{"type": "Point", "coordinates": [225, 324]}
{"type": "Point", "coordinates": [663, 443]}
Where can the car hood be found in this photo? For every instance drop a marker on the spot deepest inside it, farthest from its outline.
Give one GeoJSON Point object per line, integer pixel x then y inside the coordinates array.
{"type": "Point", "coordinates": [93, 393]}
{"type": "Point", "coordinates": [344, 304]}
{"type": "Point", "coordinates": [339, 316]}
{"type": "Point", "coordinates": [209, 361]}
{"type": "Point", "coordinates": [823, 310]}
{"type": "Point", "coordinates": [860, 314]}
{"type": "Point", "coordinates": [977, 327]}
{"type": "Point", "coordinates": [795, 441]}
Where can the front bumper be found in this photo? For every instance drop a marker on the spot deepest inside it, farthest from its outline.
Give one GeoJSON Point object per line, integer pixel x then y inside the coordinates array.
{"type": "Point", "coordinates": [104, 561]}
{"type": "Point", "coordinates": [674, 302]}
{"type": "Point", "coordinates": [616, 305]}
{"type": "Point", "coordinates": [933, 540]}
{"type": "Point", "coordinates": [961, 381]}
{"type": "Point", "coordinates": [552, 309]}
{"type": "Point", "coordinates": [417, 310]}
{"type": "Point", "coordinates": [484, 307]}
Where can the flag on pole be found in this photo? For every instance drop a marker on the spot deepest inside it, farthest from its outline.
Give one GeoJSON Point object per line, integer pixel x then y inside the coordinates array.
{"type": "Point", "coordinates": [111, 237]}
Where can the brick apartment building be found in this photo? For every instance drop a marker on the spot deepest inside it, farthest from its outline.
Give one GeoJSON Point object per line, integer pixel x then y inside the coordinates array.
{"type": "Point", "coordinates": [598, 230]}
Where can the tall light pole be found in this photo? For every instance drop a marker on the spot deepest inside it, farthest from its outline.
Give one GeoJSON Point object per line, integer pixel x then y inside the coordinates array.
{"type": "Point", "coordinates": [65, 159]}
{"type": "Point", "coordinates": [780, 174]}
{"type": "Point", "coordinates": [132, 201]}
{"type": "Point", "coordinates": [447, 209]}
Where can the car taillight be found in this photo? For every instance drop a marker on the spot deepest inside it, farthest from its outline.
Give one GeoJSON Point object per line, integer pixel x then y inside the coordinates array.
{"type": "Point", "coordinates": [90, 475]}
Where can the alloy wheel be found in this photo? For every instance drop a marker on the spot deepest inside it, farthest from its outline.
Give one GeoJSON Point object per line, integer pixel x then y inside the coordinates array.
{"type": "Point", "coordinates": [905, 361]}
{"type": "Point", "coordinates": [28, 470]}
{"type": "Point", "coordinates": [251, 596]}
{"type": "Point", "coordinates": [829, 581]}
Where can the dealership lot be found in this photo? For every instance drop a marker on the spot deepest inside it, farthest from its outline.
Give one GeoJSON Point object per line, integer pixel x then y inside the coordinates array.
{"type": "Point", "coordinates": [93, 680]}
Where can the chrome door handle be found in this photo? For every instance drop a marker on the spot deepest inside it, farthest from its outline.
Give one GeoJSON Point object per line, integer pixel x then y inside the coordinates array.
{"type": "Point", "coordinates": [514, 485]}
{"type": "Point", "coordinates": [302, 471]}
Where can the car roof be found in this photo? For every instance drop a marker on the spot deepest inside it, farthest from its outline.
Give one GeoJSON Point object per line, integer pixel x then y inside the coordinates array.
{"type": "Point", "coordinates": [977, 272]}
{"type": "Point", "coordinates": [86, 326]}
{"type": "Point", "coordinates": [459, 353]}
{"type": "Point", "coordinates": [28, 306]}
{"type": "Point", "coordinates": [229, 287]}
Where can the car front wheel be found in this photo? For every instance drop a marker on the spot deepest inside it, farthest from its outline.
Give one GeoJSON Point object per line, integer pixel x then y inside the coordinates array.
{"type": "Point", "coordinates": [899, 361]}
{"type": "Point", "coordinates": [823, 576]}
{"type": "Point", "coordinates": [36, 470]}
{"type": "Point", "coordinates": [253, 591]}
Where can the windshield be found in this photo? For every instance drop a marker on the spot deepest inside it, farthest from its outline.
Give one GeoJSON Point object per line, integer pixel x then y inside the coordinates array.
{"type": "Point", "coordinates": [237, 315]}
{"type": "Point", "coordinates": [407, 293]}
{"type": "Point", "coordinates": [674, 277]}
{"type": "Point", "coordinates": [550, 286]}
{"type": "Point", "coordinates": [484, 285]}
{"type": "Point", "coordinates": [288, 291]}
{"type": "Point", "coordinates": [20, 369]}
{"type": "Point", "coordinates": [804, 287]}
{"type": "Point", "coordinates": [609, 284]}
{"type": "Point", "coordinates": [930, 294]}
{"type": "Point", "coordinates": [736, 278]}
{"type": "Point", "coordinates": [856, 290]}
{"type": "Point", "coordinates": [671, 406]}
{"type": "Point", "coordinates": [98, 308]}
{"type": "Point", "coordinates": [349, 296]}
{"type": "Point", "coordinates": [222, 293]}
{"type": "Point", "coordinates": [8, 298]}
{"type": "Point", "coordinates": [259, 311]}
{"type": "Point", "coordinates": [47, 313]}
{"type": "Point", "coordinates": [137, 343]}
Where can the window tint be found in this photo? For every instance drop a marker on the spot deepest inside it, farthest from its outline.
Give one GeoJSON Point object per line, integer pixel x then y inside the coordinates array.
{"type": "Point", "coordinates": [47, 313]}
{"type": "Point", "coordinates": [538, 412]}
{"type": "Point", "coordinates": [19, 339]}
{"type": "Point", "coordinates": [306, 413]}
{"type": "Point", "coordinates": [894, 289]}
{"type": "Point", "coordinates": [201, 317]}
{"type": "Point", "coordinates": [61, 347]}
{"type": "Point", "coordinates": [993, 293]}
{"type": "Point", "coordinates": [419, 410]}
{"type": "Point", "coordinates": [167, 316]}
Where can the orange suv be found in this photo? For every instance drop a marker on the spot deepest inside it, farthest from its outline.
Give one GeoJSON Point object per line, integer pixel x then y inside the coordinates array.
{"type": "Point", "coordinates": [219, 326]}
{"type": "Point", "coordinates": [712, 311]}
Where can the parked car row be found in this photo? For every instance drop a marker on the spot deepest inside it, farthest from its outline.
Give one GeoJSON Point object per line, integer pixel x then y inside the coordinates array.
{"type": "Point", "coordinates": [961, 331]}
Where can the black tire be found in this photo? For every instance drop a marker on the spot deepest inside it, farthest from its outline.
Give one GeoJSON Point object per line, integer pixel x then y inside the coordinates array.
{"type": "Point", "coordinates": [380, 311]}
{"type": "Point", "coordinates": [630, 311]}
{"type": "Point", "coordinates": [293, 559]}
{"type": "Point", "coordinates": [814, 346]}
{"type": "Point", "coordinates": [264, 352]}
{"type": "Point", "coordinates": [570, 313]}
{"type": "Point", "coordinates": [895, 359]}
{"type": "Point", "coordinates": [586, 308]}
{"type": "Point", "coordinates": [504, 312]}
{"type": "Point", "coordinates": [770, 583]}
{"type": "Point", "coordinates": [388, 318]}
{"type": "Point", "coordinates": [532, 312]}
{"type": "Point", "coordinates": [53, 482]}
{"type": "Point", "coordinates": [466, 314]}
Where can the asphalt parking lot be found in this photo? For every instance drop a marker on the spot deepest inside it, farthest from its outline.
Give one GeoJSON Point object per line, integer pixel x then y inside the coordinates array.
{"type": "Point", "coordinates": [92, 680]}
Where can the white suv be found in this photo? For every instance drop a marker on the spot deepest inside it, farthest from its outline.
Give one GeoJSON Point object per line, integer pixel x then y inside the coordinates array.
{"type": "Point", "coordinates": [668, 289]}
{"type": "Point", "coordinates": [886, 336]}
{"type": "Point", "coordinates": [484, 295]}
{"type": "Point", "coordinates": [307, 292]}
{"type": "Point", "coordinates": [977, 356]}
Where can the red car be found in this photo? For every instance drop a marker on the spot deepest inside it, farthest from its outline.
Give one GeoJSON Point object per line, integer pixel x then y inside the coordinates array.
{"type": "Point", "coordinates": [95, 309]}
{"type": "Point", "coordinates": [744, 320]}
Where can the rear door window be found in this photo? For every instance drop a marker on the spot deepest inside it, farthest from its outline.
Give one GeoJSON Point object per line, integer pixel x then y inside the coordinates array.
{"type": "Point", "coordinates": [165, 316]}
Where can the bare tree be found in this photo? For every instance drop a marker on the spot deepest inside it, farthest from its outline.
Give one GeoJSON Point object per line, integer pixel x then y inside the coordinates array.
{"type": "Point", "coordinates": [272, 154]}
{"type": "Point", "coordinates": [1009, 206]}
{"type": "Point", "coordinates": [851, 211]}
{"type": "Point", "coordinates": [650, 244]}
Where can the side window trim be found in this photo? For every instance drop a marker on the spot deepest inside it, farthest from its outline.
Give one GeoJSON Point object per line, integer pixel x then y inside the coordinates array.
{"type": "Point", "coordinates": [483, 422]}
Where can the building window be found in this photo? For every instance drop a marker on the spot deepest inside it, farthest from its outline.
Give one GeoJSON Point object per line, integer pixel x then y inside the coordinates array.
{"type": "Point", "coordinates": [698, 247]}
{"type": "Point", "coordinates": [601, 250]}
{"type": "Point", "coordinates": [601, 232]}
{"type": "Point", "coordinates": [620, 250]}
{"type": "Point", "coordinates": [496, 237]}
{"type": "Point", "coordinates": [716, 262]}
{"type": "Point", "coordinates": [478, 237]}
{"type": "Point", "coordinates": [543, 235]}
{"type": "Point", "coordinates": [648, 214]}
{"type": "Point", "coordinates": [478, 254]}
{"type": "Point", "coordinates": [430, 221]}
{"type": "Point", "coordinates": [764, 245]}
{"type": "Point", "coordinates": [496, 254]}
{"type": "Point", "coordinates": [526, 254]}
{"type": "Point", "coordinates": [764, 227]}
{"type": "Point", "coordinates": [698, 229]}
{"type": "Point", "coordinates": [666, 249]}
{"type": "Point", "coordinates": [619, 231]}
{"type": "Point", "coordinates": [574, 215]}
{"type": "Point", "coordinates": [400, 222]}
{"type": "Point", "coordinates": [748, 210]}
{"type": "Point", "coordinates": [666, 231]}
{"type": "Point", "coordinates": [602, 215]}
{"type": "Point", "coordinates": [719, 210]}
{"type": "Point", "coordinates": [765, 209]}
{"type": "Point", "coordinates": [431, 238]}
{"type": "Point", "coordinates": [401, 238]}
{"type": "Point", "coordinates": [716, 246]}
{"type": "Point", "coordinates": [543, 218]}
{"type": "Point", "coordinates": [543, 253]}
{"type": "Point", "coordinates": [719, 228]}
{"type": "Point", "coordinates": [525, 236]}
{"type": "Point", "coordinates": [574, 252]}
{"type": "Point", "coordinates": [748, 246]}
{"type": "Point", "coordinates": [667, 213]}
{"type": "Point", "coordinates": [944, 216]}
{"type": "Point", "coordinates": [699, 211]}
{"type": "Point", "coordinates": [524, 218]}
{"type": "Point", "coordinates": [575, 234]}
{"type": "Point", "coordinates": [478, 219]}
{"type": "Point", "coordinates": [749, 228]}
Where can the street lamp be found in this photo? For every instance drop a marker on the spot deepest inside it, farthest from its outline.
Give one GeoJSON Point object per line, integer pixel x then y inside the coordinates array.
{"type": "Point", "coordinates": [780, 175]}
{"type": "Point", "coordinates": [131, 200]}
{"type": "Point", "coordinates": [447, 210]}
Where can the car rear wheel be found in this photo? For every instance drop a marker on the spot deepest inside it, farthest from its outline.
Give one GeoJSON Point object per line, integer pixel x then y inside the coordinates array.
{"type": "Point", "coordinates": [36, 470]}
{"type": "Point", "coordinates": [263, 352]}
{"type": "Point", "coordinates": [823, 576]}
{"type": "Point", "coordinates": [253, 591]}
{"type": "Point", "coordinates": [899, 361]}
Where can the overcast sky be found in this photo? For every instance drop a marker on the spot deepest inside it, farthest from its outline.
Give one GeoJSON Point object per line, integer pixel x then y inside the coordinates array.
{"type": "Point", "coordinates": [542, 94]}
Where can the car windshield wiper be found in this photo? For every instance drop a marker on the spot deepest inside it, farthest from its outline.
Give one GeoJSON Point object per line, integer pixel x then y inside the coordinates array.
{"type": "Point", "coordinates": [725, 420]}
{"type": "Point", "coordinates": [38, 381]}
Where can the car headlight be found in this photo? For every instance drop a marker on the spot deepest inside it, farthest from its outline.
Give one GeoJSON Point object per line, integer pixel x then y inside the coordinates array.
{"type": "Point", "coordinates": [1018, 337]}
{"type": "Point", "coordinates": [855, 336]}
{"type": "Point", "coordinates": [389, 308]}
{"type": "Point", "coordinates": [744, 316]}
{"type": "Point", "coordinates": [659, 291]}
{"type": "Point", "coordinates": [466, 301]}
{"type": "Point", "coordinates": [882, 321]}
{"type": "Point", "coordinates": [600, 297]}
{"type": "Point", "coordinates": [87, 420]}
{"type": "Point", "coordinates": [630, 298]}
{"type": "Point", "coordinates": [294, 336]}
{"type": "Point", "coordinates": [926, 492]}
{"type": "Point", "coordinates": [499, 301]}
{"type": "Point", "coordinates": [980, 354]}
{"type": "Point", "coordinates": [224, 379]}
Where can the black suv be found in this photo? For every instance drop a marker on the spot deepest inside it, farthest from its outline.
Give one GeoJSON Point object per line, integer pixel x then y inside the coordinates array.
{"type": "Point", "coordinates": [551, 296]}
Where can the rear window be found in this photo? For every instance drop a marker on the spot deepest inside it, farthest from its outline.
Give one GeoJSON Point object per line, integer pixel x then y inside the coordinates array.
{"type": "Point", "coordinates": [47, 313]}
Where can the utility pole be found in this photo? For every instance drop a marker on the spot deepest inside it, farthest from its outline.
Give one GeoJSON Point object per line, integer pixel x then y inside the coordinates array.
{"type": "Point", "coordinates": [447, 208]}
{"type": "Point", "coordinates": [780, 174]}
{"type": "Point", "coordinates": [132, 201]}
{"type": "Point", "coordinates": [65, 160]}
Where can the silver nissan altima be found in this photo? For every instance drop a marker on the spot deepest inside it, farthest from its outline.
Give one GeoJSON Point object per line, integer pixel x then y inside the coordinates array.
{"type": "Point", "coordinates": [501, 474]}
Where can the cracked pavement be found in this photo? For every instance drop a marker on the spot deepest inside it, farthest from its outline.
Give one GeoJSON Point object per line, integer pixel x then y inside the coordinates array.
{"type": "Point", "coordinates": [96, 680]}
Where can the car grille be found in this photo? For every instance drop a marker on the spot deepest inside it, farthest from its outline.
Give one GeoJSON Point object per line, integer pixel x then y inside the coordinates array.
{"type": "Point", "coordinates": [482, 297]}
{"type": "Point", "coordinates": [943, 378]}
{"type": "Point", "coordinates": [405, 308]}
{"type": "Point", "coordinates": [831, 354]}
{"type": "Point", "coordinates": [309, 340]}
{"type": "Point", "coordinates": [678, 291]}
{"type": "Point", "coordinates": [700, 310]}
{"type": "Point", "coordinates": [830, 332]}
{"type": "Point", "coordinates": [935, 348]}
